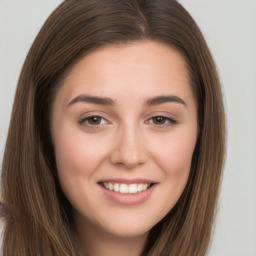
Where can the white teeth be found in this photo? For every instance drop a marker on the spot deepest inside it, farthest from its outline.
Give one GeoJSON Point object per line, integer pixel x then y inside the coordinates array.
{"type": "Point", "coordinates": [123, 188]}
{"type": "Point", "coordinates": [110, 186]}
{"type": "Point", "coordinates": [116, 187]}
{"type": "Point", "coordinates": [144, 187]}
{"type": "Point", "coordinates": [126, 188]}
{"type": "Point", "coordinates": [140, 187]}
{"type": "Point", "coordinates": [133, 188]}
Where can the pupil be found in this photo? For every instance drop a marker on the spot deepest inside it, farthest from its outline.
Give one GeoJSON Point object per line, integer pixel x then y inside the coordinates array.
{"type": "Point", "coordinates": [159, 120]}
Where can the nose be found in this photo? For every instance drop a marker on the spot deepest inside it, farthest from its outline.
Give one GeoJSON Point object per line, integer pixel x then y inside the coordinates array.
{"type": "Point", "coordinates": [130, 149]}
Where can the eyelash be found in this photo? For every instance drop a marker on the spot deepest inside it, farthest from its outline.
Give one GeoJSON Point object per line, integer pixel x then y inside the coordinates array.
{"type": "Point", "coordinates": [167, 121]}
{"type": "Point", "coordinates": [85, 120]}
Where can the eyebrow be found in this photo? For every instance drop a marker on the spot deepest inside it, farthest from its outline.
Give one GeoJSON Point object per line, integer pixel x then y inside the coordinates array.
{"type": "Point", "coordinates": [93, 99]}
{"type": "Point", "coordinates": [165, 99]}
{"type": "Point", "coordinates": [110, 102]}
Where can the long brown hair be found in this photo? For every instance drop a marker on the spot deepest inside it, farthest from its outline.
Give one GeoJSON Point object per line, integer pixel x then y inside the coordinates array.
{"type": "Point", "coordinates": [38, 221]}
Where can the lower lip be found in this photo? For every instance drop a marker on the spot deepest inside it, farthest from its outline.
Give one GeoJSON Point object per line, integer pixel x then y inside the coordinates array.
{"type": "Point", "coordinates": [128, 199]}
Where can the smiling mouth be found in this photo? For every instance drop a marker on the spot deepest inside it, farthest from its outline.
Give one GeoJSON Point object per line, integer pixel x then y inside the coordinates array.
{"type": "Point", "coordinates": [126, 188]}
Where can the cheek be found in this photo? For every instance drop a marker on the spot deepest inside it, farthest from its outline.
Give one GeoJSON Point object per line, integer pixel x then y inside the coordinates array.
{"type": "Point", "coordinates": [76, 151]}
{"type": "Point", "coordinates": [172, 155]}
{"type": "Point", "coordinates": [77, 158]}
{"type": "Point", "coordinates": [175, 159]}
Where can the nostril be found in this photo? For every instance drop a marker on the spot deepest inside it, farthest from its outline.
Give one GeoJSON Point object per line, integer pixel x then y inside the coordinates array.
{"type": "Point", "coordinates": [128, 161]}
{"type": "Point", "coordinates": [129, 151]}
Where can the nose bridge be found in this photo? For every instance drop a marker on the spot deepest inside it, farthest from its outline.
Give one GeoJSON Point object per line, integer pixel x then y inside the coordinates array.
{"type": "Point", "coordinates": [130, 148]}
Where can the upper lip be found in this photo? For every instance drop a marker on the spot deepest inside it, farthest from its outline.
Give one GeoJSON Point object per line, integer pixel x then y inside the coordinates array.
{"type": "Point", "coordinates": [128, 181]}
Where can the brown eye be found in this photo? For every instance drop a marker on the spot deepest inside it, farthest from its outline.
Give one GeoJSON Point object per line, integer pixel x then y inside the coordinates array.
{"type": "Point", "coordinates": [94, 120]}
{"type": "Point", "coordinates": [162, 121]}
{"type": "Point", "coordinates": [159, 120]}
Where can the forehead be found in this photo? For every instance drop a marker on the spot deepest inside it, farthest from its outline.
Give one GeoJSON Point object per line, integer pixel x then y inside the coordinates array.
{"type": "Point", "coordinates": [139, 68]}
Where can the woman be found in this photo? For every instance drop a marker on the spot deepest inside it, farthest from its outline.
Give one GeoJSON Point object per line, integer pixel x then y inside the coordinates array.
{"type": "Point", "coordinates": [116, 141]}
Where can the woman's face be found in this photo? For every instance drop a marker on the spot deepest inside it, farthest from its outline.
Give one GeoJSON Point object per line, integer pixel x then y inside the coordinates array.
{"type": "Point", "coordinates": [124, 128]}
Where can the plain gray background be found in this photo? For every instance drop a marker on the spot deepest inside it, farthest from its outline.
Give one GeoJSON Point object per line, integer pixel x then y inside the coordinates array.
{"type": "Point", "coordinates": [229, 27]}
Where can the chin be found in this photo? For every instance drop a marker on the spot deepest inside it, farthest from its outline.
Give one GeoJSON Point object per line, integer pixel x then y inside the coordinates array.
{"type": "Point", "coordinates": [128, 225]}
